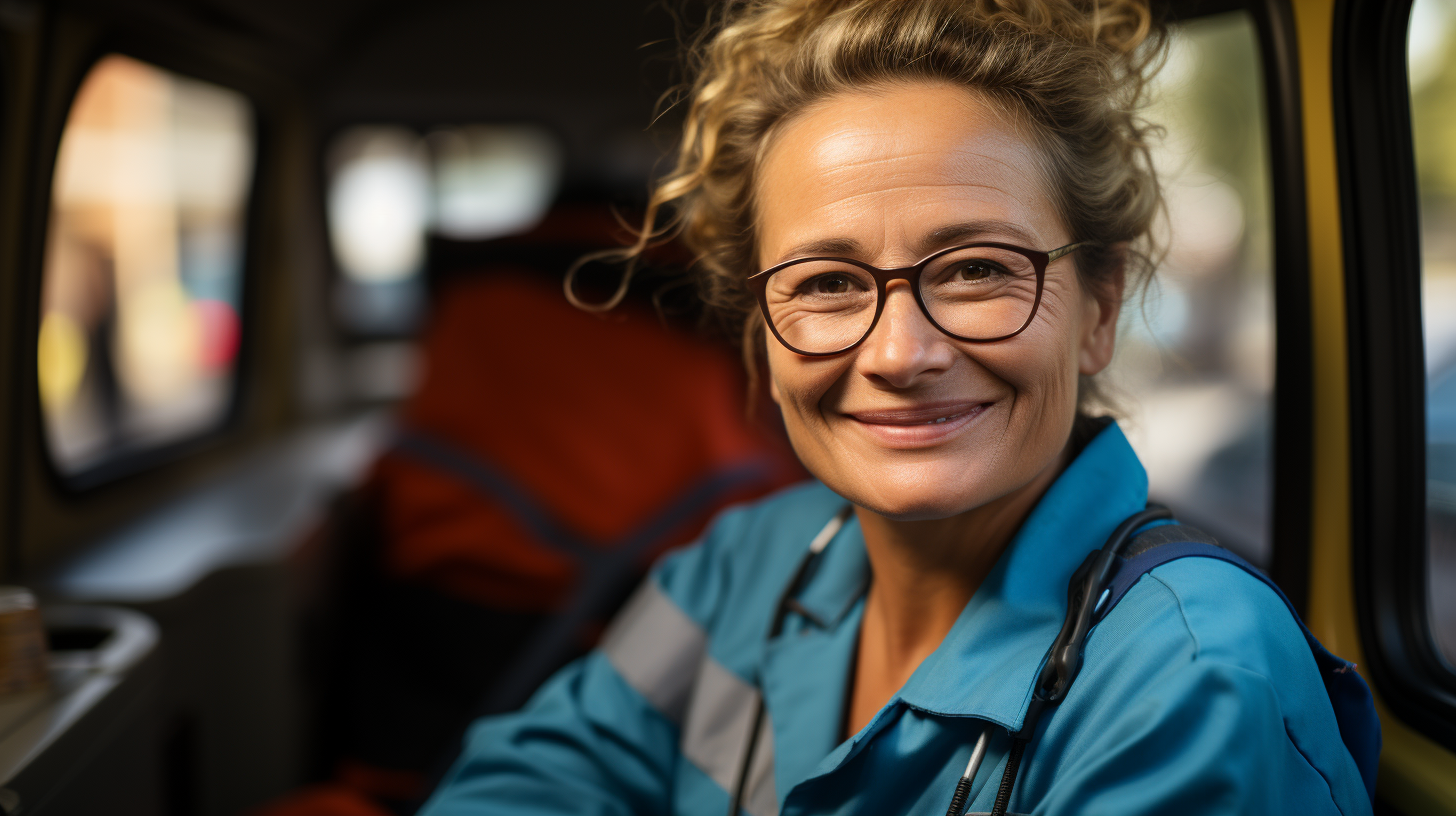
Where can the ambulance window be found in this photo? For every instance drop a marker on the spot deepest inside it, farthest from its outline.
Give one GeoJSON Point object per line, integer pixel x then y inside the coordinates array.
{"type": "Point", "coordinates": [1193, 374]}
{"type": "Point", "coordinates": [390, 187]}
{"type": "Point", "coordinates": [1432, 71]}
{"type": "Point", "coordinates": [142, 280]}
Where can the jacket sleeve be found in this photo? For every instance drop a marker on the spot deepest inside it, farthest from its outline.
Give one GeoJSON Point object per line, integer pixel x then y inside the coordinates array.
{"type": "Point", "coordinates": [602, 736]}
{"type": "Point", "coordinates": [587, 743]}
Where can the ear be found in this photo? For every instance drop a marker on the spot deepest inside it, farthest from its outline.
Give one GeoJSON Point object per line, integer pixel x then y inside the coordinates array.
{"type": "Point", "coordinates": [1102, 305]}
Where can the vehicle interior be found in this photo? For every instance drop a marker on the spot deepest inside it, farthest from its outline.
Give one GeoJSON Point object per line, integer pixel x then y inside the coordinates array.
{"type": "Point", "coordinates": [306, 461]}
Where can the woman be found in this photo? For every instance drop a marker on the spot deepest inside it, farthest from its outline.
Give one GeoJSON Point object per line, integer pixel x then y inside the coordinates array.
{"type": "Point", "coordinates": [934, 207]}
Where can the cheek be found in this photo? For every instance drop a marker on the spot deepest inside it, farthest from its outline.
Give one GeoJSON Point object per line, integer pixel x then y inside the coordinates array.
{"type": "Point", "coordinates": [781, 385]}
{"type": "Point", "coordinates": [798, 384]}
{"type": "Point", "coordinates": [1040, 365]}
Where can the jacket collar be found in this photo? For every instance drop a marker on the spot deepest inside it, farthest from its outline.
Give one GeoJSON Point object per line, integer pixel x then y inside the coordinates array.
{"type": "Point", "coordinates": [987, 664]}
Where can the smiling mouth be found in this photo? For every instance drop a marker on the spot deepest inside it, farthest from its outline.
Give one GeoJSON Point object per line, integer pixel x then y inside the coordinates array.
{"type": "Point", "coordinates": [921, 415]}
{"type": "Point", "coordinates": [921, 427]}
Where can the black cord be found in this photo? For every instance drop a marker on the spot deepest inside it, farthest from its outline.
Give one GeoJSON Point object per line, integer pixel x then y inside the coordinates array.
{"type": "Point", "coordinates": [1064, 659]}
{"type": "Point", "coordinates": [736, 804]}
{"type": "Point", "coordinates": [785, 605]}
{"type": "Point", "coordinates": [1008, 779]}
{"type": "Point", "coordinates": [958, 802]}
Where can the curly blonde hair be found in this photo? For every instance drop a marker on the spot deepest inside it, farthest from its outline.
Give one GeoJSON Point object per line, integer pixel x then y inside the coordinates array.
{"type": "Point", "coordinates": [1073, 72]}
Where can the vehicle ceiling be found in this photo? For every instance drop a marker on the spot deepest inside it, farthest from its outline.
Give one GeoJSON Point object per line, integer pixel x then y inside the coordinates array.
{"type": "Point", "coordinates": [591, 70]}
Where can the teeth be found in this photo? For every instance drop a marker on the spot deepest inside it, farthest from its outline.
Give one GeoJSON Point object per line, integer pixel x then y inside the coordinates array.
{"type": "Point", "coordinates": [939, 420]}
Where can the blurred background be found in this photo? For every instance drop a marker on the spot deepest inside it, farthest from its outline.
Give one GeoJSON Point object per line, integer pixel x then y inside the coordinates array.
{"type": "Point", "coordinates": [1194, 373]}
{"type": "Point", "coordinates": [1432, 67]}
{"type": "Point", "coordinates": [139, 334]}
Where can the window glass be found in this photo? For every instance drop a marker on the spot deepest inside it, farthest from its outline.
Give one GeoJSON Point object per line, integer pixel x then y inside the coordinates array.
{"type": "Point", "coordinates": [389, 187]}
{"type": "Point", "coordinates": [1432, 62]}
{"type": "Point", "coordinates": [1193, 374]}
{"type": "Point", "coordinates": [140, 305]}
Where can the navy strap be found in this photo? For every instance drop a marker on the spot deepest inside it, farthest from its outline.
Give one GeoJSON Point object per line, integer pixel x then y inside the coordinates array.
{"type": "Point", "coordinates": [474, 469]}
{"type": "Point", "coordinates": [1167, 533]}
{"type": "Point", "coordinates": [1349, 696]}
{"type": "Point", "coordinates": [482, 475]}
{"type": "Point", "coordinates": [605, 569]}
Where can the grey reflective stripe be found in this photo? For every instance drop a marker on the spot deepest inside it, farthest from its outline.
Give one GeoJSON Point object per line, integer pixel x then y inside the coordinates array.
{"type": "Point", "coordinates": [762, 794]}
{"type": "Point", "coordinates": [657, 649]}
{"type": "Point", "coordinates": [662, 653]}
{"type": "Point", "coordinates": [720, 718]}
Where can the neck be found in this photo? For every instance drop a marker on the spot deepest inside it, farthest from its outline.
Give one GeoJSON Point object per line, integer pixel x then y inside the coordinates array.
{"type": "Point", "coordinates": [925, 572]}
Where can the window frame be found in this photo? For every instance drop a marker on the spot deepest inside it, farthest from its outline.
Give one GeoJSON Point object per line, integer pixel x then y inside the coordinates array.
{"type": "Point", "coordinates": [119, 468]}
{"type": "Point", "coordinates": [1380, 215]}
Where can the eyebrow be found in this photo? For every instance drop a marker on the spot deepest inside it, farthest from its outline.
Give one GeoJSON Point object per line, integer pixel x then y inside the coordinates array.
{"type": "Point", "coordinates": [971, 230]}
{"type": "Point", "coordinates": [823, 246]}
{"type": "Point", "coordinates": [936, 239]}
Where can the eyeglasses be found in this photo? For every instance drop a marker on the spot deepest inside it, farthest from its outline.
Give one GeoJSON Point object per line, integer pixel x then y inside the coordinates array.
{"type": "Point", "coordinates": [979, 293]}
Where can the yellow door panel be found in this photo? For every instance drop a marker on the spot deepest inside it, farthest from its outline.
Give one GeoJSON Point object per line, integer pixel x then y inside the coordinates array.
{"type": "Point", "coordinates": [1416, 775]}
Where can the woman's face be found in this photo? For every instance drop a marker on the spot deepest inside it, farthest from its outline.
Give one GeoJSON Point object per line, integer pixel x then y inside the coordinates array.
{"type": "Point", "coordinates": [913, 424]}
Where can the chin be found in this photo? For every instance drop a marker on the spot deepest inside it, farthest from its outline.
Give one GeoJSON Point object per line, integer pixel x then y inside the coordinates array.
{"type": "Point", "coordinates": [917, 492]}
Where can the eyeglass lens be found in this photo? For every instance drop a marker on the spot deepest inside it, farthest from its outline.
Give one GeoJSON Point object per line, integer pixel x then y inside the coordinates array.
{"type": "Point", "coordinates": [978, 293]}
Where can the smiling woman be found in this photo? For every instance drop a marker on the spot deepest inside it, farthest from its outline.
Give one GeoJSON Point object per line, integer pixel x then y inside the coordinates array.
{"type": "Point", "coordinates": [934, 208]}
{"type": "Point", "coordinates": [888, 174]}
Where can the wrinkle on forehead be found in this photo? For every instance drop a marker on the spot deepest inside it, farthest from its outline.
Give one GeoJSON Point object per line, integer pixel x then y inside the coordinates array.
{"type": "Point", "coordinates": [981, 103]}
{"type": "Point", "coordinates": [854, 151]}
{"type": "Point", "coordinates": [1004, 117]}
{"type": "Point", "coordinates": [855, 146]}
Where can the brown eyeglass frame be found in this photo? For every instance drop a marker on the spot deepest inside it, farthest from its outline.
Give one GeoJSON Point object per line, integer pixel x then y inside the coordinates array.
{"type": "Point", "coordinates": [758, 283]}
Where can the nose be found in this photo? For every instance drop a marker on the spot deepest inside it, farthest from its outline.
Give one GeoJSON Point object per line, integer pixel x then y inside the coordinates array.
{"type": "Point", "coordinates": [905, 348]}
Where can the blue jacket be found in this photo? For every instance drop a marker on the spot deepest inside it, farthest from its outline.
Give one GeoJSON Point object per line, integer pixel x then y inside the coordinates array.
{"type": "Point", "coordinates": [1198, 693]}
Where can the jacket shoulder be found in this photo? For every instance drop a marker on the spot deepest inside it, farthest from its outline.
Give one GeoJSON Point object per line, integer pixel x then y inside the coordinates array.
{"type": "Point", "coordinates": [1234, 617]}
{"type": "Point", "coordinates": [1209, 616]}
{"type": "Point", "coordinates": [747, 553]}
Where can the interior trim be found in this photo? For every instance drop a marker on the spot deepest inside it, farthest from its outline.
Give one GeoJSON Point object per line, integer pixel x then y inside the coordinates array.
{"type": "Point", "coordinates": [1380, 214]}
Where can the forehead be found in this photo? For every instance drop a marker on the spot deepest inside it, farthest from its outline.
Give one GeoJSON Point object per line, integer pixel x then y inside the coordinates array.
{"type": "Point", "coordinates": [880, 171]}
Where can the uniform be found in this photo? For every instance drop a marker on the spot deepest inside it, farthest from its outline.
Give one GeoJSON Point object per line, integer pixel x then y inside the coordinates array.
{"type": "Point", "coordinates": [1198, 693]}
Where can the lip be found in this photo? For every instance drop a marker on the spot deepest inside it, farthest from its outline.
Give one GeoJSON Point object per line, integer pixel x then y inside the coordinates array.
{"type": "Point", "coordinates": [914, 426]}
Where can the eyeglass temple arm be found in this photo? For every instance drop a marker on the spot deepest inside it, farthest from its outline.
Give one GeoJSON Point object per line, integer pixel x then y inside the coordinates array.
{"type": "Point", "coordinates": [1066, 250]}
